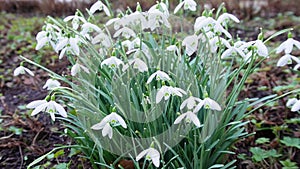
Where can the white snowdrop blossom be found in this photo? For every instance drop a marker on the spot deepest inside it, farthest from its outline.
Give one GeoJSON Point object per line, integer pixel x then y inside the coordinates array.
{"type": "Point", "coordinates": [47, 36]}
{"type": "Point", "coordinates": [50, 107]}
{"type": "Point", "coordinates": [103, 39]}
{"type": "Point", "coordinates": [167, 91]}
{"type": "Point", "coordinates": [191, 44]}
{"type": "Point", "coordinates": [222, 19]}
{"type": "Point", "coordinates": [151, 154]}
{"type": "Point", "coordinates": [259, 47]}
{"type": "Point", "coordinates": [190, 102]}
{"type": "Point", "coordinates": [134, 19]}
{"type": "Point", "coordinates": [287, 59]}
{"type": "Point", "coordinates": [22, 70]}
{"type": "Point", "coordinates": [113, 119]}
{"type": "Point", "coordinates": [68, 45]}
{"type": "Point", "coordinates": [161, 7]}
{"type": "Point", "coordinates": [75, 20]}
{"type": "Point", "coordinates": [112, 62]}
{"type": "Point", "coordinates": [89, 27]}
{"type": "Point", "coordinates": [51, 84]}
{"type": "Point", "coordinates": [287, 46]}
{"type": "Point", "coordinates": [160, 75]}
{"type": "Point", "coordinates": [294, 103]}
{"type": "Point", "coordinates": [99, 6]}
{"type": "Point", "coordinates": [187, 4]}
{"type": "Point", "coordinates": [189, 116]}
{"type": "Point", "coordinates": [137, 64]}
{"type": "Point", "coordinates": [216, 42]}
{"type": "Point", "coordinates": [173, 48]}
{"type": "Point", "coordinates": [236, 48]}
{"type": "Point", "coordinates": [208, 103]}
{"type": "Point", "coordinates": [155, 18]}
{"type": "Point", "coordinates": [77, 68]}
{"type": "Point", "coordinates": [125, 32]}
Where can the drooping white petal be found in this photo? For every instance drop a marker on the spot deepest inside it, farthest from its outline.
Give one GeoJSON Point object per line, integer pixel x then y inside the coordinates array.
{"type": "Point", "coordinates": [142, 154]}
{"type": "Point", "coordinates": [177, 8]}
{"type": "Point", "coordinates": [35, 103]}
{"type": "Point", "coordinates": [193, 117]}
{"type": "Point", "coordinates": [191, 44]}
{"type": "Point", "coordinates": [39, 108]}
{"type": "Point", "coordinates": [60, 109]}
{"type": "Point", "coordinates": [107, 130]}
{"type": "Point", "coordinates": [291, 102]}
{"type": "Point", "coordinates": [213, 104]}
{"type": "Point", "coordinates": [296, 106]}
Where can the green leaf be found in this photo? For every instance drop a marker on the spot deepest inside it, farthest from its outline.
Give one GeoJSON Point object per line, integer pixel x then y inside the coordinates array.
{"type": "Point", "coordinates": [262, 140]}
{"type": "Point", "coordinates": [15, 130]}
{"type": "Point", "coordinates": [288, 164]}
{"type": "Point", "coordinates": [291, 142]}
{"type": "Point", "coordinates": [59, 153]}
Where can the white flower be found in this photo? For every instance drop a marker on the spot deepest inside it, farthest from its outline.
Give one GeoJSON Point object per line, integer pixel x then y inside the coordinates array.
{"type": "Point", "coordinates": [190, 102]}
{"type": "Point", "coordinates": [259, 47]}
{"type": "Point", "coordinates": [215, 42]}
{"type": "Point", "coordinates": [126, 32]}
{"type": "Point", "coordinates": [151, 154]}
{"type": "Point", "coordinates": [89, 27]}
{"type": "Point", "coordinates": [113, 119]}
{"type": "Point", "coordinates": [166, 91]}
{"type": "Point", "coordinates": [137, 64]}
{"type": "Point", "coordinates": [77, 67]}
{"type": "Point", "coordinates": [287, 46]}
{"type": "Point", "coordinates": [191, 44]}
{"type": "Point", "coordinates": [112, 62]}
{"type": "Point", "coordinates": [75, 20]}
{"type": "Point", "coordinates": [47, 36]}
{"type": "Point", "coordinates": [50, 107]}
{"type": "Point", "coordinates": [162, 7]}
{"type": "Point", "coordinates": [160, 75]}
{"type": "Point", "coordinates": [189, 116]}
{"type": "Point", "coordinates": [287, 59]}
{"type": "Point", "coordinates": [134, 19]}
{"type": "Point", "coordinates": [187, 4]}
{"type": "Point", "coordinates": [103, 39]}
{"type": "Point", "coordinates": [295, 103]}
{"type": "Point", "coordinates": [99, 6]}
{"type": "Point", "coordinates": [68, 45]}
{"type": "Point", "coordinates": [208, 103]}
{"type": "Point", "coordinates": [226, 16]}
{"type": "Point", "coordinates": [51, 84]}
{"type": "Point", "coordinates": [173, 48]}
{"type": "Point", "coordinates": [21, 70]}
{"type": "Point", "coordinates": [236, 48]}
{"type": "Point", "coordinates": [155, 18]}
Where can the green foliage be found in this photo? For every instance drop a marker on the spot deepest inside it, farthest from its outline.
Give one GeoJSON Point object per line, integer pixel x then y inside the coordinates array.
{"type": "Point", "coordinates": [291, 142]}
{"type": "Point", "coordinates": [259, 154]}
{"type": "Point", "coordinates": [288, 164]}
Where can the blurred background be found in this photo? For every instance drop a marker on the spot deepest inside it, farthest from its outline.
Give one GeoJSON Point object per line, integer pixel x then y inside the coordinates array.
{"type": "Point", "coordinates": [242, 8]}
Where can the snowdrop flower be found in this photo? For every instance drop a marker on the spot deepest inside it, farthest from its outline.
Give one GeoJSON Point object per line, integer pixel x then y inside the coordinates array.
{"type": "Point", "coordinates": [75, 20]}
{"type": "Point", "coordinates": [225, 17]}
{"type": "Point", "coordinates": [215, 42]}
{"type": "Point", "coordinates": [89, 27]}
{"type": "Point", "coordinates": [134, 19]}
{"type": "Point", "coordinates": [103, 39]}
{"type": "Point", "coordinates": [189, 116]}
{"type": "Point", "coordinates": [161, 7]}
{"type": "Point", "coordinates": [68, 45]}
{"type": "Point", "coordinates": [287, 59]}
{"type": "Point", "coordinates": [137, 64]}
{"type": "Point", "coordinates": [187, 4]}
{"type": "Point", "coordinates": [295, 103]}
{"type": "Point", "coordinates": [21, 70]}
{"type": "Point", "coordinates": [125, 32]}
{"type": "Point", "coordinates": [259, 47]}
{"type": "Point", "coordinates": [51, 84]}
{"type": "Point", "coordinates": [236, 48]}
{"type": "Point", "coordinates": [113, 119]}
{"type": "Point", "coordinates": [115, 21]}
{"type": "Point", "coordinates": [112, 62]}
{"type": "Point", "coordinates": [208, 103]}
{"type": "Point", "coordinates": [191, 44]}
{"type": "Point", "coordinates": [50, 107]}
{"type": "Point", "coordinates": [77, 67]}
{"type": "Point", "coordinates": [166, 91]}
{"type": "Point", "coordinates": [160, 75]}
{"type": "Point", "coordinates": [190, 102]}
{"type": "Point", "coordinates": [287, 46]}
{"type": "Point", "coordinates": [99, 6]}
{"type": "Point", "coordinates": [151, 155]}
{"type": "Point", "coordinates": [47, 35]}
{"type": "Point", "coordinates": [156, 17]}
{"type": "Point", "coordinates": [173, 48]}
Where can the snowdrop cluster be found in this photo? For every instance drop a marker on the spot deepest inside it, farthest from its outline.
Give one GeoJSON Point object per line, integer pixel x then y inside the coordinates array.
{"type": "Point", "coordinates": [117, 65]}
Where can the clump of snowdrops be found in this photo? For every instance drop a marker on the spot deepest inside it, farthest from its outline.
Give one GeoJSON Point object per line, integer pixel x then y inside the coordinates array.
{"type": "Point", "coordinates": [139, 91]}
